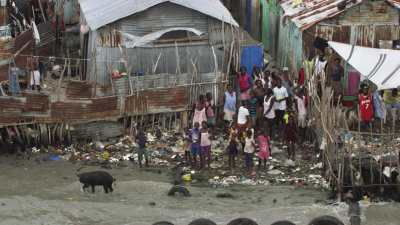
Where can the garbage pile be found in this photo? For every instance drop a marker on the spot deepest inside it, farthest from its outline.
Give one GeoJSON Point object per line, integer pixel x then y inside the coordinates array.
{"type": "Point", "coordinates": [162, 151]}
{"type": "Point", "coordinates": [166, 149]}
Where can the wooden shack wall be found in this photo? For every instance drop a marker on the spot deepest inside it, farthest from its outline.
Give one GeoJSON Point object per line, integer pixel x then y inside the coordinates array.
{"type": "Point", "coordinates": [363, 25]}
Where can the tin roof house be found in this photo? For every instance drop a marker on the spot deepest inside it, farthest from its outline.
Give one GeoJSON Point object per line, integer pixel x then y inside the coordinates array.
{"type": "Point", "coordinates": [292, 26]}
{"type": "Point", "coordinates": [164, 52]}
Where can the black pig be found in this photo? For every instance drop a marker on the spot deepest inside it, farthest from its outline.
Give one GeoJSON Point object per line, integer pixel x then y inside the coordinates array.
{"type": "Point", "coordinates": [97, 178]}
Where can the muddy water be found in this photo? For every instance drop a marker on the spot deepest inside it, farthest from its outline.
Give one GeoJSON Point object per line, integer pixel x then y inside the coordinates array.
{"type": "Point", "coordinates": [49, 193]}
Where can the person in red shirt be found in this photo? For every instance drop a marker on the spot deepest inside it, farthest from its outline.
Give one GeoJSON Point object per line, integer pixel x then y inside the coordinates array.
{"type": "Point", "coordinates": [366, 108]}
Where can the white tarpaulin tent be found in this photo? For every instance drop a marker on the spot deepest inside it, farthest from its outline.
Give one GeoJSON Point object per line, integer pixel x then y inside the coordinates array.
{"type": "Point", "coordinates": [381, 66]}
{"type": "Point", "coordinates": [135, 41]}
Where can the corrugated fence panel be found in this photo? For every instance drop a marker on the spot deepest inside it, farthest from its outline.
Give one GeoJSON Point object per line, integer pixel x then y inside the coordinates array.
{"type": "Point", "coordinates": [37, 103]}
{"type": "Point", "coordinates": [157, 101]}
{"type": "Point", "coordinates": [143, 60]}
{"type": "Point", "coordinates": [99, 108]}
{"type": "Point", "coordinates": [12, 105]}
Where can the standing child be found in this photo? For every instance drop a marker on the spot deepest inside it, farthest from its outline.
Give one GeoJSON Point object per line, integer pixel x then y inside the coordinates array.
{"type": "Point", "coordinates": [249, 149]}
{"type": "Point", "coordinates": [210, 110]}
{"type": "Point", "coordinates": [141, 140]}
{"type": "Point", "coordinates": [301, 113]}
{"type": "Point", "coordinates": [263, 144]}
{"type": "Point", "coordinates": [186, 147]}
{"type": "Point", "coordinates": [232, 150]}
{"type": "Point", "coordinates": [205, 144]}
{"type": "Point", "coordinates": [291, 137]}
{"type": "Point", "coordinates": [195, 143]}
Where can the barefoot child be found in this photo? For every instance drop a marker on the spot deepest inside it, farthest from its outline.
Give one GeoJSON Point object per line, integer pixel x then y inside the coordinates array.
{"type": "Point", "coordinates": [263, 144]}
{"type": "Point", "coordinates": [205, 145]}
{"type": "Point", "coordinates": [232, 150]}
{"type": "Point", "coordinates": [195, 143]}
{"type": "Point", "coordinates": [291, 137]}
{"type": "Point", "coordinates": [249, 149]}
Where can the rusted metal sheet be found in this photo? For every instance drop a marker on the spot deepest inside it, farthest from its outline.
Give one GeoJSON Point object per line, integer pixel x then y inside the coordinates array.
{"type": "Point", "coordinates": [79, 89]}
{"type": "Point", "coordinates": [157, 101]}
{"type": "Point", "coordinates": [12, 105]}
{"type": "Point", "coordinates": [36, 102]}
{"type": "Point", "coordinates": [91, 109]}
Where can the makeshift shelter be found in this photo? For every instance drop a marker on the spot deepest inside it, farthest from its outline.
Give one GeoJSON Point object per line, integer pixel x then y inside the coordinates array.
{"type": "Point", "coordinates": [381, 66]}
{"type": "Point", "coordinates": [364, 23]}
{"type": "Point", "coordinates": [155, 37]}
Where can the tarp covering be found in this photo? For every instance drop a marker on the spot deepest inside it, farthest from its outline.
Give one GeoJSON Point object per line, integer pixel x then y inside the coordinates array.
{"type": "Point", "coordinates": [381, 66]}
{"type": "Point", "coordinates": [100, 13]}
{"type": "Point", "coordinates": [252, 56]}
{"type": "Point", "coordinates": [135, 41]}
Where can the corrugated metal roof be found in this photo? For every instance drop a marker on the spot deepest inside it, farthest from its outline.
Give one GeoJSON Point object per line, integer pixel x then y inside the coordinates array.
{"type": "Point", "coordinates": [311, 12]}
{"type": "Point", "coordinates": [100, 13]}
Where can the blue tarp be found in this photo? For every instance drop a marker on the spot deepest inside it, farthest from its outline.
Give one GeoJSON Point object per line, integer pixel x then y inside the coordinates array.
{"type": "Point", "coordinates": [252, 55]}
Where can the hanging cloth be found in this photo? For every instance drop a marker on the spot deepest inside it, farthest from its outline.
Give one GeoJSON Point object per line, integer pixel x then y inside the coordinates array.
{"type": "Point", "coordinates": [36, 35]}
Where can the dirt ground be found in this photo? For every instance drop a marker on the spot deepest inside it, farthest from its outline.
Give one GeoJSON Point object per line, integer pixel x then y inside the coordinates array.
{"type": "Point", "coordinates": [49, 193]}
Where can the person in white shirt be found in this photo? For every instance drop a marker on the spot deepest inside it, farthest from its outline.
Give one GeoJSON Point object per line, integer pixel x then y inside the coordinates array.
{"type": "Point", "coordinates": [243, 115]}
{"type": "Point", "coordinates": [242, 121]}
{"type": "Point", "coordinates": [249, 148]}
{"type": "Point", "coordinates": [281, 95]}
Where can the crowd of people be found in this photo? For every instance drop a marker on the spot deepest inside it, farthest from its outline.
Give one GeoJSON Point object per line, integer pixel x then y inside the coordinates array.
{"type": "Point", "coordinates": [265, 106]}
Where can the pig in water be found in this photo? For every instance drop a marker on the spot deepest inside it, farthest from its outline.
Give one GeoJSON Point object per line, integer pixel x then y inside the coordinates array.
{"type": "Point", "coordinates": [97, 178]}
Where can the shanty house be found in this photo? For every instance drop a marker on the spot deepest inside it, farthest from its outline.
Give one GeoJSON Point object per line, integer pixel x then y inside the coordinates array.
{"type": "Point", "coordinates": [363, 23]}
{"type": "Point", "coordinates": [165, 51]}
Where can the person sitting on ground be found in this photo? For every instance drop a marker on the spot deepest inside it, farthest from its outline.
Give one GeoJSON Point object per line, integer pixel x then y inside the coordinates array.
{"type": "Point", "coordinates": [244, 84]}
{"type": "Point", "coordinates": [366, 107]}
{"type": "Point", "coordinates": [210, 110]}
{"type": "Point", "coordinates": [205, 145]}
{"type": "Point", "coordinates": [249, 149]}
{"type": "Point", "coordinates": [290, 137]}
{"type": "Point", "coordinates": [141, 140]}
{"type": "Point", "coordinates": [264, 148]}
{"type": "Point", "coordinates": [195, 143]}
